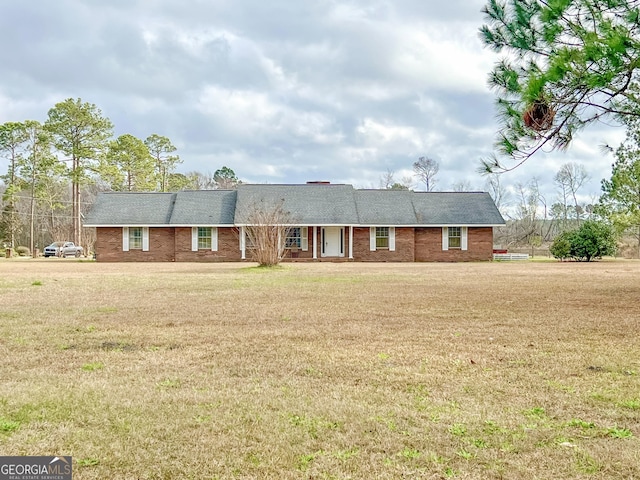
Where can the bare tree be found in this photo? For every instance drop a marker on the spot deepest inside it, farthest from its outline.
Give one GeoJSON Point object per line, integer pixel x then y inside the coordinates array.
{"type": "Point", "coordinates": [57, 219]}
{"type": "Point", "coordinates": [528, 205]}
{"type": "Point", "coordinates": [268, 226]}
{"type": "Point", "coordinates": [407, 182]}
{"type": "Point", "coordinates": [201, 181]}
{"type": "Point", "coordinates": [560, 209]}
{"type": "Point", "coordinates": [462, 186]}
{"type": "Point", "coordinates": [388, 181]}
{"type": "Point", "coordinates": [530, 225]}
{"type": "Point", "coordinates": [569, 179]}
{"type": "Point", "coordinates": [497, 191]}
{"type": "Point", "coordinates": [426, 169]}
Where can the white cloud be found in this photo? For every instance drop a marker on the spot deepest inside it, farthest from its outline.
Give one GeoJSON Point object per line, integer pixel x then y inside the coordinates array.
{"type": "Point", "coordinates": [388, 137]}
{"type": "Point", "coordinates": [439, 58]}
{"type": "Point", "coordinates": [250, 114]}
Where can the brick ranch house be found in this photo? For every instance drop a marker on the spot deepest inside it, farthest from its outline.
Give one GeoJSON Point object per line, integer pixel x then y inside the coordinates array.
{"type": "Point", "coordinates": [330, 222]}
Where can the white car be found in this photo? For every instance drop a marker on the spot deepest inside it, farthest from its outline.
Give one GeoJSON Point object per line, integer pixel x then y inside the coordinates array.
{"type": "Point", "coordinates": [63, 249]}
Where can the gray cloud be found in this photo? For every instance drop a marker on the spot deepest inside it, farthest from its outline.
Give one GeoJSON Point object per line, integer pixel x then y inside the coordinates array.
{"type": "Point", "coordinates": [279, 91]}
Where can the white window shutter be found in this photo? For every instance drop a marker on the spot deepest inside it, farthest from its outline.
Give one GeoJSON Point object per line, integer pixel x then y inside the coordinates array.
{"type": "Point", "coordinates": [214, 239]}
{"type": "Point", "coordinates": [445, 238]}
{"type": "Point", "coordinates": [392, 239]}
{"type": "Point", "coordinates": [304, 238]}
{"type": "Point", "coordinates": [463, 240]}
{"type": "Point", "coordinates": [145, 239]}
{"type": "Point", "coordinates": [194, 239]}
{"type": "Point", "coordinates": [372, 239]}
{"type": "Point", "coordinates": [125, 239]}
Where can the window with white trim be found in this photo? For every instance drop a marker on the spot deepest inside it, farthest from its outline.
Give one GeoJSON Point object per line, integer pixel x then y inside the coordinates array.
{"type": "Point", "coordinates": [135, 238]}
{"type": "Point", "coordinates": [455, 237]}
{"type": "Point", "coordinates": [297, 237]}
{"type": "Point", "coordinates": [382, 237]}
{"type": "Point", "coordinates": [294, 238]}
{"type": "Point", "coordinates": [204, 238]}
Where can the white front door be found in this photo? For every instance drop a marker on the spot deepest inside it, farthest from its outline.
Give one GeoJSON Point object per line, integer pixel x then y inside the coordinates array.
{"type": "Point", "coordinates": [332, 242]}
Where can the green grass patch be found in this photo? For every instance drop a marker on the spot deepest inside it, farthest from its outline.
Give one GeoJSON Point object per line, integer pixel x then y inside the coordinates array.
{"type": "Point", "coordinates": [170, 383]}
{"type": "Point", "coordinates": [8, 426]}
{"type": "Point", "coordinates": [93, 366]}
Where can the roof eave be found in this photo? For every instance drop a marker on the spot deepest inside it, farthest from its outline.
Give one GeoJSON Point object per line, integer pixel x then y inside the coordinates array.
{"type": "Point", "coordinates": [119, 225]}
{"type": "Point", "coordinates": [362, 225]}
{"type": "Point", "coordinates": [189, 225]}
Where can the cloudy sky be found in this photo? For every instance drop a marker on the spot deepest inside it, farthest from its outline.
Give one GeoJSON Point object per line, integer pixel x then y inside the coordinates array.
{"type": "Point", "coordinates": [281, 91]}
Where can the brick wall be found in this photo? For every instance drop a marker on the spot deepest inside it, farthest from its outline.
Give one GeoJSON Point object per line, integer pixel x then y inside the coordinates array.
{"type": "Point", "coordinates": [109, 246]}
{"type": "Point", "coordinates": [404, 251]}
{"type": "Point", "coordinates": [428, 242]}
{"type": "Point", "coordinates": [228, 247]}
{"type": "Point", "coordinates": [174, 244]}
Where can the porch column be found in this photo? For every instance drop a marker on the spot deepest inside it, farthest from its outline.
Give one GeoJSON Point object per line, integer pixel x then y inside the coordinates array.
{"type": "Point", "coordinates": [242, 244]}
{"type": "Point", "coordinates": [315, 243]}
{"type": "Point", "coordinates": [351, 242]}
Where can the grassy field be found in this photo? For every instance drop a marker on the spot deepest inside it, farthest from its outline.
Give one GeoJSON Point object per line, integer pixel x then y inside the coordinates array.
{"type": "Point", "coordinates": [323, 371]}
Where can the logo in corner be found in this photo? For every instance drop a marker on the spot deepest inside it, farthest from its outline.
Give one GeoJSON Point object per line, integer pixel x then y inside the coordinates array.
{"type": "Point", "coordinates": [36, 468]}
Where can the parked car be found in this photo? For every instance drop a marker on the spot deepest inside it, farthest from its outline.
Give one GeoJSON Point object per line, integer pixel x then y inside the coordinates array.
{"type": "Point", "coordinates": [63, 249]}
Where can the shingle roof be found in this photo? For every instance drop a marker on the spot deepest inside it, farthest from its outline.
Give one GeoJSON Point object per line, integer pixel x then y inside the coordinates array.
{"type": "Point", "coordinates": [204, 208]}
{"type": "Point", "coordinates": [385, 207]}
{"type": "Point", "coordinates": [455, 208]}
{"type": "Point", "coordinates": [130, 209]}
{"type": "Point", "coordinates": [305, 204]}
{"type": "Point", "coordinates": [324, 205]}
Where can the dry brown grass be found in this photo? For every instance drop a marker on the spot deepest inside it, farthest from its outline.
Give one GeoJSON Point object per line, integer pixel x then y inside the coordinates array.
{"type": "Point", "coordinates": [314, 371]}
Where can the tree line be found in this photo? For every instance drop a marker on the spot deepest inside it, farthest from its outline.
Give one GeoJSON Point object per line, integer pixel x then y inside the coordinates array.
{"type": "Point", "coordinates": [56, 168]}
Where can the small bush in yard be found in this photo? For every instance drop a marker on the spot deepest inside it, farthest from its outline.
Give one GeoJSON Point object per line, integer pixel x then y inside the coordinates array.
{"type": "Point", "coordinates": [592, 240]}
{"type": "Point", "coordinates": [23, 251]}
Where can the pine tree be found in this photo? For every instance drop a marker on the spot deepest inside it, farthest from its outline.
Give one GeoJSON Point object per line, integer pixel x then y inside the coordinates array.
{"type": "Point", "coordinates": [566, 64]}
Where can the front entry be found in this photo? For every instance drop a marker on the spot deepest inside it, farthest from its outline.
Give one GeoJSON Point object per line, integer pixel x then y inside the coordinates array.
{"type": "Point", "coordinates": [332, 242]}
